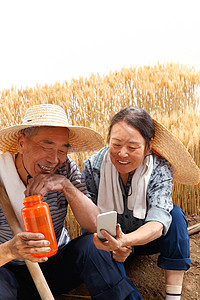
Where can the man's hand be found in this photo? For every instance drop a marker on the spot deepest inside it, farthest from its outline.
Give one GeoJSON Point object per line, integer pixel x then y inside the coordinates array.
{"type": "Point", "coordinates": [23, 244]}
{"type": "Point", "coordinates": [43, 183]}
{"type": "Point", "coordinates": [84, 210]}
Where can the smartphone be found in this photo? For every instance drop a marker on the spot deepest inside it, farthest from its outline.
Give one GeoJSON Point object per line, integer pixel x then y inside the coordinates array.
{"type": "Point", "coordinates": [108, 222]}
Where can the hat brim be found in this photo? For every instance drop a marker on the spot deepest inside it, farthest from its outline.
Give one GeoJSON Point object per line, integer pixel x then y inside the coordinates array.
{"type": "Point", "coordinates": [81, 139]}
{"type": "Point", "coordinates": [167, 145]}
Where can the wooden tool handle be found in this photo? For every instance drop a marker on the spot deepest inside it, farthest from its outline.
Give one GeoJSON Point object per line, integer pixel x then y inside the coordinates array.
{"type": "Point", "coordinates": [194, 229]}
{"type": "Point", "coordinates": [34, 268]}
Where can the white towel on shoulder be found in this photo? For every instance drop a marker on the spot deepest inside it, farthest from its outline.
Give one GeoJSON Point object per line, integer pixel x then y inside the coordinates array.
{"type": "Point", "coordinates": [110, 194]}
{"type": "Point", "coordinates": [13, 184]}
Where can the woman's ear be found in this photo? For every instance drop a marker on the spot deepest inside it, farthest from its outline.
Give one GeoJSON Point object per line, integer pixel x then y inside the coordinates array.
{"type": "Point", "coordinates": [20, 143]}
{"type": "Point", "coordinates": [151, 144]}
{"type": "Point", "coordinates": [148, 149]}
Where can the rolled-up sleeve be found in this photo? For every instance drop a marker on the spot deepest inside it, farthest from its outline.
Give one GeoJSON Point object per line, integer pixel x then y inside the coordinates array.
{"type": "Point", "coordinates": [159, 215]}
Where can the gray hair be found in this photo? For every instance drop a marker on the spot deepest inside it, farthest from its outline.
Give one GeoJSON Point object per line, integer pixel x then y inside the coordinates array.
{"type": "Point", "coordinates": [29, 131]}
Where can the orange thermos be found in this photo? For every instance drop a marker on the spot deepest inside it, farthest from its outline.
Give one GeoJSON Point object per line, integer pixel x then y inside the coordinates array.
{"type": "Point", "coordinates": [37, 218]}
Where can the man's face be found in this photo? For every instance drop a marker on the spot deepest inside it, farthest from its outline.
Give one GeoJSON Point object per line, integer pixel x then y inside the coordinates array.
{"type": "Point", "coordinates": [45, 151]}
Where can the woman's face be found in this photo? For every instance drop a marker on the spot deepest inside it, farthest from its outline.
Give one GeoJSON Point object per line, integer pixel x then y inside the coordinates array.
{"type": "Point", "coordinates": [127, 147]}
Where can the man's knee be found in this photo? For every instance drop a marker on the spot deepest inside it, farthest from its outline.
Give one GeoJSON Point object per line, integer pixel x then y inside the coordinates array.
{"type": "Point", "coordinates": [82, 244]}
{"type": "Point", "coordinates": [8, 285]}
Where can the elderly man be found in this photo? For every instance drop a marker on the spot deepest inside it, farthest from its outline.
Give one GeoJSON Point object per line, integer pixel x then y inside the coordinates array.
{"type": "Point", "coordinates": [34, 161]}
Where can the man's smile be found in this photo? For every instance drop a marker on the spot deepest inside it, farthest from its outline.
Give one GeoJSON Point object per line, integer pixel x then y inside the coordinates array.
{"type": "Point", "coordinates": [46, 169]}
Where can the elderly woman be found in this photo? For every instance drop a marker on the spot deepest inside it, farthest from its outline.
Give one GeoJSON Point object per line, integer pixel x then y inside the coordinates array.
{"type": "Point", "coordinates": [128, 177]}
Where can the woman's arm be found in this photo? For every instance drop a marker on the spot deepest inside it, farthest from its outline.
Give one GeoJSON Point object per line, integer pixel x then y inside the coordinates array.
{"type": "Point", "coordinates": [91, 179]}
{"type": "Point", "coordinates": [143, 235]}
{"type": "Point", "coordinates": [146, 233]}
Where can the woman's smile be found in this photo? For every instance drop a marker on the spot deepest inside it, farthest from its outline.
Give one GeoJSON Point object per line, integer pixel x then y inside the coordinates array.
{"type": "Point", "coordinates": [123, 162]}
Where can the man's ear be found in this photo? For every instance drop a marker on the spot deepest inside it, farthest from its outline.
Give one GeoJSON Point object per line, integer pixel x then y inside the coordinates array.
{"type": "Point", "coordinates": [20, 143]}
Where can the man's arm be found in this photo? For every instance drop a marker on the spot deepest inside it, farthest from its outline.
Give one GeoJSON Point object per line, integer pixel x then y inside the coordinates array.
{"type": "Point", "coordinates": [84, 210]}
{"type": "Point", "coordinates": [5, 255]}
{"type": "Point", "coordinates": [22, 245]}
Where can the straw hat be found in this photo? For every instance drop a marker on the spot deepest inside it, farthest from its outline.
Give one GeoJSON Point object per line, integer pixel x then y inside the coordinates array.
{"type": "Point", "coordinates": [80, 138]}
{"type": "Point", "coordinates": [167, 145]}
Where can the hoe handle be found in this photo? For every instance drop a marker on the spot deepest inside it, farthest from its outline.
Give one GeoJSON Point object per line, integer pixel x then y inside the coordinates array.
{"type": "Point", "coordinates": [34, 268]}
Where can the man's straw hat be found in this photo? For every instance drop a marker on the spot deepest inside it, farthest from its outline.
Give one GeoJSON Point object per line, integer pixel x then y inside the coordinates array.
{"type": "Point", "coordinates": [167, 145]}
{"type": "Point", "coordinates": [80, 138]}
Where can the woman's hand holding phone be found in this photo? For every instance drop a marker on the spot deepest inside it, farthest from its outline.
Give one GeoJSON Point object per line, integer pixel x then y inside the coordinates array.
{"type": "Point", "coordinates": [115, 241]}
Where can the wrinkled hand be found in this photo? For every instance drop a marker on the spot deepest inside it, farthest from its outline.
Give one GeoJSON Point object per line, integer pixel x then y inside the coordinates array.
{"type": "Point", "coordinates": [122, 253]}
{"type": "Point", "coordinates": [43, 183]}
{"type": "Point", "coordinates": [114, 244]}
{"type": "Point", "coordinates": [23, 244]}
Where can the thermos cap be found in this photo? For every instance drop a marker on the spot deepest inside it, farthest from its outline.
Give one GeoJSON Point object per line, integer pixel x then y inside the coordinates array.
{"type": "Point", "coordinates": [33, 198]}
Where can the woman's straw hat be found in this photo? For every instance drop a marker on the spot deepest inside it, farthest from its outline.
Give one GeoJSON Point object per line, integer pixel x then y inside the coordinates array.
{"type": "Point", "coordinates": [167, 145]}
{"type": "Point", "coordinates": [80, 138]}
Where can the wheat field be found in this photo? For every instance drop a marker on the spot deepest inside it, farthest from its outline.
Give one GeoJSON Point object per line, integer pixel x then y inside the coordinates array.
{"type": "Point", "coordinates": [170, 93]}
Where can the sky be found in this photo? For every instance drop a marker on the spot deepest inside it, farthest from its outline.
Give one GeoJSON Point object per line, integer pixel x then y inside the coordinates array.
{"type": "Point", "coordinates": [46, 41]}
